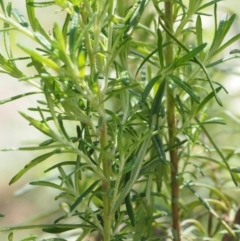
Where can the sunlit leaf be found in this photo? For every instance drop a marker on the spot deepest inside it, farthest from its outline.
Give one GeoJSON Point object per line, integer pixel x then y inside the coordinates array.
{"type": "Point", "coordinates": [39, 125]}
{"type": "Point", "coordinates": [35, 55]}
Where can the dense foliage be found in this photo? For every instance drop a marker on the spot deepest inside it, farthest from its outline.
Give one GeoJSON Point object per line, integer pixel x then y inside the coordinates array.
{"type": "Point", "coordinates": [135, 79]}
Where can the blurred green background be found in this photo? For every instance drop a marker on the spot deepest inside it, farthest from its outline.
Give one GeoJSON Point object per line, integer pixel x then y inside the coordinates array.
{"type": "Point", "coordinates": [15, 131]}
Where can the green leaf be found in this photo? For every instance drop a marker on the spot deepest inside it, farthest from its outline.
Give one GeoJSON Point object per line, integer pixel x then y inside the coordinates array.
{"type": "Point", "coordinates": [20, 17]}
{"type": "Point", "coordinates": [235, 170]}
{"type": "Point", "coordinates": [199, 36]}
{"type": "Point", "coordinates": [208, 4]}
{"type": "Point", "coordinates": [49, 184]}
{"type": "Point", "coordinates": [157, 142]}
{"type": "Point", "coordinates": [54, 239]}
{"type": "Point", "coordinates": [10, 68]}
{"type": "Point", "coordinates": [195, 59]}
{"type": "Point", "coordinates": [157, 103]}
{"type": "Point", "coordinates": [133, 16]}
{"type": "Point", "coordinates": [72, 163]}
{"type": "Point", "coordinates": [148, 88]}
{"type": "Point", "coordinates": [191, 54]}
{"type": "Point", "coordinates": [50, 228]}
{"type": "Point", "coordinates": [59, 38]}
{"type": "Point", "coordinates": [6, 38]}
{"type": "Point", "coordinates": [134, 173]}
{"type": "Point", "coordinates": [222, 60]}
{"type": "Point", "coordinates": [18, 97]}
{"type": "Point", "coordinates": [33, 163]}
{"type": "Point", "coordinates": [160, 49]}
{"type": "Point", "coordinates": [130, 210]}
{"type": "Point", "coordinates": [45, 42]}
{"type": "Point", "coordinates": [41, 4]}
{"type": "Point", "coordinates": [3, 6]}
{"type": "Point", "coordinates": [221, 33]}
{"type": "Point", "coordinates": [2, 215]}
{"type": "Point", "coordinates": [44, 60]}
{"type": "Point", "coordinates": [31, 14]}
{"type": "Point", "coordinates": [207, 99]}
{"type": "Point", "coordinates": [83, 195]}
{"type": "Point", "coordinates": [31, 238]}
{"type": "Point", "coordinates": [147, 59]}
{"type": "Point", "coordinates": [228, 43]}
{"type": "Point", "coordinates": [217, 150]}
{"type": "Point", "coordinates": [183, 85]}
{"type": "Point", "coordinates": [73, 33]}
{"type": "Point", "coordinates": [215, 120]}
{"type": "Point", "coordinates": [43, 127]}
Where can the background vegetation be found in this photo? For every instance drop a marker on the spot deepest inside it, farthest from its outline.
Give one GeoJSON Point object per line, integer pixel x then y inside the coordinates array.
{"type": "Point", "coordinates": [72, 114]}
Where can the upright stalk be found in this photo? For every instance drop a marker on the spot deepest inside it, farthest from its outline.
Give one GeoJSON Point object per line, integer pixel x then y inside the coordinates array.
{"type": "Point", "coordinates": [172, 128]}
{"type": "Point", "coordinates": [106, 165]}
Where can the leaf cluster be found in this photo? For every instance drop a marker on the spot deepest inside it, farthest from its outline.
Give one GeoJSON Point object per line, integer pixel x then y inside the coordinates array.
{"type": "Point", "coordinates": [99, 77]}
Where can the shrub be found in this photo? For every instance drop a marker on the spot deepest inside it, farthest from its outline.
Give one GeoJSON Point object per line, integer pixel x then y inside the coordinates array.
{"type": "Point", "coordinates": [136, 82]}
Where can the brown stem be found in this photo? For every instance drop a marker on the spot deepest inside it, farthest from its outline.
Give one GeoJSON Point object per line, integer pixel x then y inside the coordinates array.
{"type": "Point", "coordinates": [172, 129]}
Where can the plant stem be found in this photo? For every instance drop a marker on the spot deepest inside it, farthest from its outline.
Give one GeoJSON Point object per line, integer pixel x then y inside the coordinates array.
{"type": "Point", "coordinates": [107, 219]}
{"type": "Point", "coordinates": [172, 128]}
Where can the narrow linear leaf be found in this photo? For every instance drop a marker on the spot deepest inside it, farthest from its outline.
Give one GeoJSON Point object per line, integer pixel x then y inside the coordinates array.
{"type": "Point", "coordinates": [3, 6]}
{"type": "Point", "coordinates": [208, 4]}
{"type": "Point", "coordinates": [48, 62]}
{"type": "Point", "coordinates": [196, 60]}
{"type": "Point", "coordinates": [235, 170]}
{"type": "Point", "coordinates": [53, 228]}
{"type": "Point", "coordinates": [10, 68]}
{"type": "Point", "coordinates": [31, 14]}
{"type": "Point", "coordinates": [49, 184]}
{"type": "Point", "coordinates": [54, 239]}
{"type": "Point", "coordinates": [199, 36]}
{"type": "Point", "coordinates": [160, 49]}
{"type": "Point", "coordinates": [39, 125]}
{"type": "Point", "coordinates": [134, 16]}
{"type": "Point", "coordinates": [227, 44]}
{"type": "Point", "coordinates": [134, 173]}
{"type": "Point", "coordinates": [147, 59]}
{"type": "Point", "coordinates": [159, 148]}
{"type": "Point", "coordinates": [6, 38]}
{"type": "Point", "coordinates": [41, 4]}
{"type": "Point", "coordinates": [185, 87]}
{"type": "Point", "coordinates": [130, 210]}
{"type": "Point", "coordinates": [210, 209]}
{"type": "Point", "coordinates": [177, 145]}
{"type": "Point", "coordinates": [157, 103]}
{"type": "Point", "coordinates": [215, 120]}
{"type": "Point", "coordinates": [148, 88]}
{"type": "Point", "coordinates": [33, 163]}
{"type": "Point", "coordinates": [18, 97]}
{"type": "Point", "coordinates": [207, 99]}
{"type": "Point", "coordinates": [191, 54]}
{"type": "Point", "coordinates": [20, 17]}
{"type": "Point", "coordinates": [71, 163]}
{"type": "Point", "coordinates": [83, 195]}
{"type": "Point", "coordinates": [222, 60]}
{"type": "Point", "coordinates": [45, 42]}
{"type": "Point", "coordinates": [217, 150]}
{"type": "Point", "coordinates": [221, 32]}
{"type": "Point", "coordinates": [72, 33]}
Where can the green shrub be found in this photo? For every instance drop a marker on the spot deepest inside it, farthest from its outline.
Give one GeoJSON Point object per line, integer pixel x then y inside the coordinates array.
{"type": "Point", "coordinates": [135, 82]}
